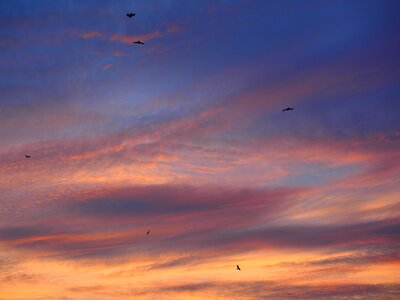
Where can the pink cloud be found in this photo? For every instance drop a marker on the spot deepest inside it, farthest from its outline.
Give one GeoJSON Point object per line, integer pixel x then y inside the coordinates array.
{"type": "Point", "coordinates": [174, 28]}
{"type": "Point", "coordinates": [134, 208]}
{"type": "Point", "coordinates": [119, 53]}
{"type": "Point", "coordinates": [129, 39]}
{"type": "Point", "coordinates": [107, 66]}
{"type": "Point", "coordinates": [91, 35]}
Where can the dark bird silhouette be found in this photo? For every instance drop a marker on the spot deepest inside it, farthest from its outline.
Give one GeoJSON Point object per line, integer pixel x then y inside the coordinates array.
{"type": "Point", "coordinates": [138, 42]}
{"type": "Point", "coordinates": [130, 15]}
{"type": "Point", "coordinates": [148, 232]}
{"type": "Point", "coordinates": [237, 267]}
{"type": "Point", "coordinates": [288, 108]}
{"type": "Point", "coordinates": [27, 156]}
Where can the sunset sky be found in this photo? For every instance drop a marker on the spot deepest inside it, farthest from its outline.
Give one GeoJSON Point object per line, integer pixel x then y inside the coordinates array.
{"type": "Point", "coordinates": [185, 136]}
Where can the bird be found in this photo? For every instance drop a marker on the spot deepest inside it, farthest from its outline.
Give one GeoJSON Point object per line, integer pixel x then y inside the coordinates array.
{"type": "Point", "coordinates": [138, 42]}
{"type": "Point", "coordinates": [28, 156]}
{"type": "Point", "coordinates": [288, 108]}
{"type": "Point", "coordinates": [148, 232]}
{"type": "Point", "coordinates": [130, 15]}
{"type": "Point", "coordinates": [237, 267]}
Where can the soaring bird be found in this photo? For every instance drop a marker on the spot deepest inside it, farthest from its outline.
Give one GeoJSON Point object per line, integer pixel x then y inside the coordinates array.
{"type": "Point", "coordinates": [237, 267]}
{"type": "Point", "coordinates": [138, 42]}
{"type": "Point", "coordinates": [27, 156]}
{"type": "Point", "coordinates": [130, 15]}
{"type": "Point", "coordinates": [148, 232]}
{"type": "Point", "coordinates": [288, 108]}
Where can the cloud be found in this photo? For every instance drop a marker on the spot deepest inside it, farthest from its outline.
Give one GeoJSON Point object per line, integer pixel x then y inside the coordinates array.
{"type": "Point", "coordinates": [182, 217]}
{"type": "Point", "coordinates": [339, 237]}
{"type": "Point", "coordinates": [92, 35]}
{"type": "Point", "coordinates": [21, 232]}
{"type": "Point", "coordinates": [276, 290]}
{"type": "Point", "coordinates": [359, 259]}
{"type": "Point", "coordinates": [188, 218]}
{"type": "Point", "coordinates": [179, 262]}
{"type": "Point", "coordinates": [8, 42]}
{"type": "Point", "coordinates": [196, 148]}
{"type": "Point", "coordinates": [87, 289]}
{"type": "Point", "coordinates": [164, 200]}
{"type": "Point", "coordinates": [13, 270]}
{"type": "Point", "coordinates": [174, 28]}
{"type": "Point", "coordinates": [129, 39]}
{"type": "Point", "coordinates": [119, 53]}
{"type": "Point", "coordinates": [7, 264]}
{"type": "Point", "coordinates": [340, 264]}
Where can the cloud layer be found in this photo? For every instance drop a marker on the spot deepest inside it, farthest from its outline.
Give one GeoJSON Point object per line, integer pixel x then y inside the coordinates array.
{"type": "Point", "coordinates": [185, 137]}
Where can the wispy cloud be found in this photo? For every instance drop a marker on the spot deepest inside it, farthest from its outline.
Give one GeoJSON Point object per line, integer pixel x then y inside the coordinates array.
{"type": "Point", "coordinates": [92, 35]}
{"type": "Point", "coordinates": [187, 138]}
{"type": "Point", "coordinates": [129, 39]}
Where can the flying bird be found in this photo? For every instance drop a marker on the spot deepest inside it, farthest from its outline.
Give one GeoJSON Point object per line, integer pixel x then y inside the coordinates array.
{"type": "Point", "coordinates": [130, 15]}
{"type": "Point", "coordinates": [237, 267]}
{"type": "Point", "coordinates": [27, 156]}
{"type": "Point", "coordinates": [288, 108]}
{"type": "Point", "coordinates": [148, 232]}
{"type": "Point", "coordinates": [138, 42]}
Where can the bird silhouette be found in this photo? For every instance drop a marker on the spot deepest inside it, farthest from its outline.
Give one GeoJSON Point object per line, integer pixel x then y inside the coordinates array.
{"type": "Point", "coordinates": [27, 156]}
{"type": "Point", "coordinates": [148, 232]}
{"type": "Point", "coordinates": [138, 42]}
{"type": "Point", "coordinates": [130, 15]}
{"type": "Point", "coordinates": [237, 267]}
{"type": "Point", "coordinates": [288, 108]}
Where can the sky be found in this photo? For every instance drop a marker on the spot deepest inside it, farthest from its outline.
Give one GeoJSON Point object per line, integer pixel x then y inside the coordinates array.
{"type": "Point", "coordinates": [185, 136]}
